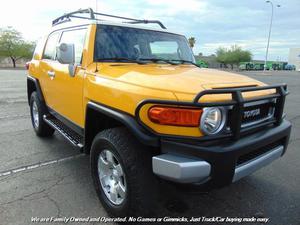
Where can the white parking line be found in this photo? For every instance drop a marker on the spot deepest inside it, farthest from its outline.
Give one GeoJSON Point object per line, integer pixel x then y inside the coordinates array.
{"type": "Point", "coordinates": [38, 165]}
{"type": "Point", "coordinates": [13, 116]}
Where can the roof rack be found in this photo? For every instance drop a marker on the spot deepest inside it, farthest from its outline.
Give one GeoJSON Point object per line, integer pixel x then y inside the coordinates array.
{"type": "Point", "coordinates": [92, 16]}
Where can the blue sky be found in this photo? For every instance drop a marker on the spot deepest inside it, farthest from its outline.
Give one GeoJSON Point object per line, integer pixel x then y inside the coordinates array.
{"type": "Point", "coordinates": [213, 23]}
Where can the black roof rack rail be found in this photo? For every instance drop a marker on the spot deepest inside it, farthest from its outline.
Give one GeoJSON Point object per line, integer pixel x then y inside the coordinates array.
{"type": "Point", "coordinates": [66, 17]}
{"type": "Point", "coordinates": [92, 16]}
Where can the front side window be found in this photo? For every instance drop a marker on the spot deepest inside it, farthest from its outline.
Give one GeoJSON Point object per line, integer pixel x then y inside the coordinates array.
{"type": "Point", "coordinates": [116, 42]}
{"type": "Point", "coordinates": [76, 37]}
{"type": "Point", "coordinates": [38, 50]}
{"type": "Point", "coordinates": [50, 49]}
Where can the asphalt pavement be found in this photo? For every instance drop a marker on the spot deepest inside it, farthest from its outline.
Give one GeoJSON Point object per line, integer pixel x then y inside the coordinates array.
{"type": "Point", "coordinates": [42, 178]}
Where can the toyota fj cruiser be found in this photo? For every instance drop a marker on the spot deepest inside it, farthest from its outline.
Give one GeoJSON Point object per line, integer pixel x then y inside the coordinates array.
{"type": "Point", "coordinates": [133, 98]}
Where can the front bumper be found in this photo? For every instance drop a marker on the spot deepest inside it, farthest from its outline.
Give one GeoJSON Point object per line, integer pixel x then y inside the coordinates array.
{"type": "Point", "coordinates": [221, 163]}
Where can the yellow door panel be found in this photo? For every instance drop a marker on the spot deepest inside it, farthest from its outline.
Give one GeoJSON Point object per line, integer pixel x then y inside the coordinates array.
{"type": "Point", "coordinates": [67, 93]}
{"type": "Point", "coordinates": [46, 82]}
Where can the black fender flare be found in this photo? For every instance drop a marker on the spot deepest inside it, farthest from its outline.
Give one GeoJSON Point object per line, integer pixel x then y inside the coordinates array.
{"type": "Point", "coordinates": [33, 81]}
{"type": "Point", "coordinates": [128, 121]}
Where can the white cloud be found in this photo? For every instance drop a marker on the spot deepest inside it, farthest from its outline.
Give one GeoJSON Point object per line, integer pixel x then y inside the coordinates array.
{"type": "Point", "coordinates": [214, 23]}
{"type": "Point", "coordinates": [173, 7]}
{"type": "Point", "coordinates": [33, 17]}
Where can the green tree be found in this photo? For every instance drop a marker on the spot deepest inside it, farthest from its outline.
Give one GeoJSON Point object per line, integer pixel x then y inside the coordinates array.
{"type": "Point", "coordinates": [192, 42]}
{"type": "Point", "coordinates": [13, 45]}
{"type": "Point", "coordinates": [233, 56]}
{"type": "Point", "coordinates": [221, 56]}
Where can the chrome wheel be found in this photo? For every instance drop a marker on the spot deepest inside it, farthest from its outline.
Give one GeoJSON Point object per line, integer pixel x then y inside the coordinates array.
{"type": "Point", "coordinates": [112, 177]}
{"type": "Point", "coordinates": [35, 114]}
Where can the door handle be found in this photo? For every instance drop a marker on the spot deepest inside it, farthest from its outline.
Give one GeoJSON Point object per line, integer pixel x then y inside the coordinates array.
{"type": "Point", "coordinates": [51, 74]}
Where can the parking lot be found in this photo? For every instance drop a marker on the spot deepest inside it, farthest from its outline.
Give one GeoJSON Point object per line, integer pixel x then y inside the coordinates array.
{"type": "Point", "coordinates": [50, 178]}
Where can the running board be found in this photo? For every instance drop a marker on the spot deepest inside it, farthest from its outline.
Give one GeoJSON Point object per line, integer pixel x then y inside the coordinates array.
{"type": "Point", "coordinates": [65, 131]}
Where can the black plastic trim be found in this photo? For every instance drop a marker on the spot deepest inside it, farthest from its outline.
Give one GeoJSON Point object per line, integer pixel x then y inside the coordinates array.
{"type": "Point", "coordinates": [223, 156]}
{"type": "Point", "coordinates": [129, 121]}
{"type": "Point", "coordinates": [237, 103]}
{"type": "Point", "coordinates": [37, 87]}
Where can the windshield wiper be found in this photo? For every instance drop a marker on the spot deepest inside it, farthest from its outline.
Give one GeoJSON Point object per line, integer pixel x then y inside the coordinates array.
{"type": "Point", "coordinates": [185, 61]}
{"type": "Point", "coordinates": [158, 60]}
{"type": "Point", "coordinates": [121, 59]}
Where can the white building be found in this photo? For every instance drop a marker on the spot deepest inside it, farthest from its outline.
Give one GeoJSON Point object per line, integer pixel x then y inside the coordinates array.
{"type": "Point", "coordinates": [294, 57]}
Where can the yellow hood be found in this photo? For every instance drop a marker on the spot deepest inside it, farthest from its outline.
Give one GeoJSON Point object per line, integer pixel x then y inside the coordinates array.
{"type": "Point", "coordinates": [186, 79]}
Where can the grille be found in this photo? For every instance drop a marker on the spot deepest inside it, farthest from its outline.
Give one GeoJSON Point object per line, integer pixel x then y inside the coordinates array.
{"type": "Point", "coordinates": [254, 154]}
{"type": "Point", "coordinates": [254, 114]}
{"type": "Point", "coordinates": [257, 112]}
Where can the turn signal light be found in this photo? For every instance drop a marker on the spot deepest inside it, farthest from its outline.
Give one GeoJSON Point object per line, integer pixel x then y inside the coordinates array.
{"type": "Point", "coordinates": [187, 117]}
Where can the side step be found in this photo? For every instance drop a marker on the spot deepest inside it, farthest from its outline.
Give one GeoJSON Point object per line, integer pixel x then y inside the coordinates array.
{"type": "Point", "coordinates": [69, 134]}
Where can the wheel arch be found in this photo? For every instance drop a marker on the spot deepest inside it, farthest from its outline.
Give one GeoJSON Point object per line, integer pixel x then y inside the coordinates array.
{"type": "Point", "coordinates": [34, 85]}
{"type": "Point", "coordinates": [100, 117]}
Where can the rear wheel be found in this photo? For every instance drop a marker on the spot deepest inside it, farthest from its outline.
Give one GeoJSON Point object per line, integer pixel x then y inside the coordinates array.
{"type": "Point", "coordinates": [37, 111]}
{"type": "Point", "coordinates": [122, 174]}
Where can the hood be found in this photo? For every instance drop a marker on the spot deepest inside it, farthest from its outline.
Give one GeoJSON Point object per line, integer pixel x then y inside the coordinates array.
{"type": "Point", "coordinates": [182, 80]}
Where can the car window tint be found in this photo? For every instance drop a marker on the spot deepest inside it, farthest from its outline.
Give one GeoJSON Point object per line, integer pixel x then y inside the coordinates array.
{"type": "Point", "coordinates": [50, 49]}
{"type": "Point", "coordinates": [126, 42]}
{"type": "Point", "coordinates": [76, 37]}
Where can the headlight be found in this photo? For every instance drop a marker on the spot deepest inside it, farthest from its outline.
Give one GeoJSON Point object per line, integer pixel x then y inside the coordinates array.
{"type": "Point", "coordinates": [213, 120]}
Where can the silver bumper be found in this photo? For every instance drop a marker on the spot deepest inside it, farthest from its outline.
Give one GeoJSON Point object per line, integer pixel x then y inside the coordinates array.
{"type": "Point", "coordinates": [186, 170]}
{"type": "Point", "coordinates": [180, 169]}
{"type": "Point", "coordinates": [257, 163]}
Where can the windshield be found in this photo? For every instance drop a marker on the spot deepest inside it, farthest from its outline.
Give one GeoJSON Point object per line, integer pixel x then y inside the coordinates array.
{"type": "Point", "coordinates": [125, 43]}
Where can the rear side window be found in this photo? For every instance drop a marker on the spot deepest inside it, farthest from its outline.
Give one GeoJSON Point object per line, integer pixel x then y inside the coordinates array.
{"type": "Point", "coordinates": [76, 37]}
{"type": "Point", "coordinates": [50, 49]}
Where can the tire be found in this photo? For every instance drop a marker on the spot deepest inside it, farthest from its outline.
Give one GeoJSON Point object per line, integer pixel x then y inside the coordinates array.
{"type": "Point", "coordinates": [136, 162]}
{"type": "Point", "coordinates": [37, 111]}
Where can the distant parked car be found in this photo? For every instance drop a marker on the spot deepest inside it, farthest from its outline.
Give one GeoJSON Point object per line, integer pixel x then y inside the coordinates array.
{"type": "Point", "coordinates": [258, 66]}
{"type": "Point", "coordinates": [202, 64]}
{"type": "Point", "coordinates": [290, 67]}
{"type": "Point", "coordinates": [246, 66]}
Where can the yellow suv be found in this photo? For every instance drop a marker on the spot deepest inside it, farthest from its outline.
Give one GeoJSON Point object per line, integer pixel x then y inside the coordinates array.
{"type": "Point", "coordinates": [133, 98]}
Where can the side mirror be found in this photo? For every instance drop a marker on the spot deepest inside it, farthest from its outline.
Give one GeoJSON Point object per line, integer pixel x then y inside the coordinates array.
{"type": "Point", "coordinates": [66, 53]}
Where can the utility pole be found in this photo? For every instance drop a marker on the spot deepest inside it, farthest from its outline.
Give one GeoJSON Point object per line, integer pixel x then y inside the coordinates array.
{"type": "Point", "coordinates": [270, 28]}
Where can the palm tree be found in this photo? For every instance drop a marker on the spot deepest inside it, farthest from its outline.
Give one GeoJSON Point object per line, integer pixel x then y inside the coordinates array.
{"type": "Point", "coordinates": [192, 41]}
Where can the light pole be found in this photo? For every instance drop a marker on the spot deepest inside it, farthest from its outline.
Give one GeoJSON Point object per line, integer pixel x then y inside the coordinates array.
{"type": "Point", "coordinates": [96, 6]}
{"type": "Point", "coordinates": [267, 51]}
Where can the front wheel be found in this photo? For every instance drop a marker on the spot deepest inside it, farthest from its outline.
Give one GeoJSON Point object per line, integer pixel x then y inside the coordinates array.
{"type": "Point", "coordinates": [37, 111]}
{"type": "Point", "coordinates": [122, 174]}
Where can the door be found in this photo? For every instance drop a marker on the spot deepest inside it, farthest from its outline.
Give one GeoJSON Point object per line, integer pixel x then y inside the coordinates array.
{"type": "Point", "coordinates": [67, 90]}
{"type": "Point", "coordinates": [46, 71]}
